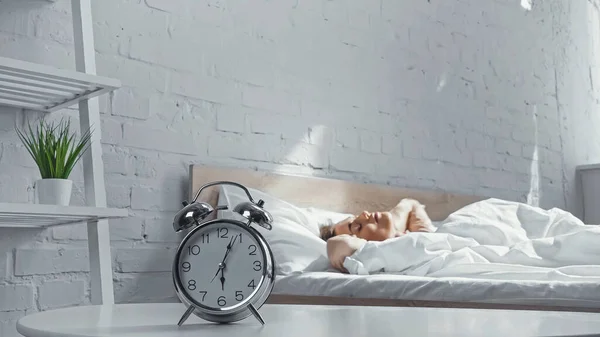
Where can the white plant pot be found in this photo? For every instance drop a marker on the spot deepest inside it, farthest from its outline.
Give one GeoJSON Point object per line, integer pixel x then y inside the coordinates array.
{"type": "Point", "coordinates": [53, 191]}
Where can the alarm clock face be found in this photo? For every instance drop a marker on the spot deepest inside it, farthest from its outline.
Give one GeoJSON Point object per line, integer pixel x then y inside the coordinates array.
{"type": "Point", "coordinates": [221, 266]}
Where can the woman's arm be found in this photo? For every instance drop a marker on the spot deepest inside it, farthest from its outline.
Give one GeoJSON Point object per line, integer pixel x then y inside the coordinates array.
{"type": "Point", "coordinates": [341, 246]}
{"type": "Point", "coordinates": [400, 214]}
{"type": "Point", "coordinates": [410, 215]}
{"type": "Point", "coordinates": [419, 221]}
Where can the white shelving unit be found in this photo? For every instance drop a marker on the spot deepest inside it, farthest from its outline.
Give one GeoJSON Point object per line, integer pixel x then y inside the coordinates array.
{"type": "Point", "coordinates": [38, 87]}
{"type": "Point", "coordinates": [42, 216]}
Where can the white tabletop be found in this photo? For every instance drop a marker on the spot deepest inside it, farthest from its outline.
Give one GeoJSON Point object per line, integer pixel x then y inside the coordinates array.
{"type": "Point", "coordinates": [154, 320]}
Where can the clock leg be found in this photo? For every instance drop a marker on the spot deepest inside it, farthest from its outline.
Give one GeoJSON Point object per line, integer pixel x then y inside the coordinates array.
{"type": "Point", "coordinates": [256, 314]}
{"type": "Point", "coordinates": [186, 315]}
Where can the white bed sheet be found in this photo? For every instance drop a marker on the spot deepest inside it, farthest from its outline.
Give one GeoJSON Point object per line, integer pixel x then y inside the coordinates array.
{"type": "Point", "coordinates": [390, 286]}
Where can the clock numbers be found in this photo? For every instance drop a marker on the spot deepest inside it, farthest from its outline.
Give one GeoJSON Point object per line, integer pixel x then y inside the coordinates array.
{"type": "Point", "coordinates": [252, 249]}
{"type": "Point", "coordinates": [239, 296]}
{"type": "Point", "coordinates": [222, 233]}
{"type": "Point", "coordinates": [186, 266]}
{"type": "Point", "coordinates": [205, 238]}
{"type": "Point", "coordinates": [257, 265]}
{"type": "Point", "coordinates": [192, 285]}
{"type": "Point", "coordinates": [221, 301]}
{"type": "Point", "coordinates": [203, 295]}
{"type": "Point", "coordinates": [194, 250]}
{"type": "Point", "coordinates": [240, 236]}
{"type": "Point", "coordinates": [251, 284]}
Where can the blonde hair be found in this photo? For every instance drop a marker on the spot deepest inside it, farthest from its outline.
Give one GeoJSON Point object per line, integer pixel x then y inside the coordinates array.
{"type": "Point", "coordinates": [327, 232]}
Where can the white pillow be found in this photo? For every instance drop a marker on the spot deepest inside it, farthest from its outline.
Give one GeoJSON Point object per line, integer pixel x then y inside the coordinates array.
{"type": "Point", "coordinates": [325, 217]}
{"type": "Point", "coordinates": [294, 238]}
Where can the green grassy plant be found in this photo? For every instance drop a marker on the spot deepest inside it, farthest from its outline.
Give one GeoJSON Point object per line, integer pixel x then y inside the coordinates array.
{"type": "Point", "coordinates": [54, 148]}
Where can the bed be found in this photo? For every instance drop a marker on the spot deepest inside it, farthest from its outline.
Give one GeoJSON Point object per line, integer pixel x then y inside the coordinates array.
{"type": "Point", "coordinates": [305, 278]}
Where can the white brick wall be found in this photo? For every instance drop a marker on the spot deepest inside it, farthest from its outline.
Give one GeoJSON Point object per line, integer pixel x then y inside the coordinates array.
{"type": "Point", "coordinates": [54, 260]}
{"type": "Point", "coordinates": [138, 260]}
{"type": "Point", "coordinates": [145, 287]}
{"type": "Point", "coordinates": [16, 297]}
{"type": "Point", "coordinates": [8, 321]}
{"type": "Point", "coordinates": [426, 94]}
{"type": "Point", "coordinates": [61, 293]}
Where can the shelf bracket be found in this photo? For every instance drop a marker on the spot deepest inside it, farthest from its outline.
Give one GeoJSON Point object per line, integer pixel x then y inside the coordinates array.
{"type": "Point", "coordinates": [93, 170]}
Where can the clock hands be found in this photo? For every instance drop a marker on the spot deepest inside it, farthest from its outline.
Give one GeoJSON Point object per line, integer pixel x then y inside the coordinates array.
{"type": "Point", "coordinates": [222, 264]}
{"type": "Point", "coordinates": [229, 246]}
{"type": "Point", "coordinates": [218, 271]}
{"type": "Point", "coordinates": [222, 278]}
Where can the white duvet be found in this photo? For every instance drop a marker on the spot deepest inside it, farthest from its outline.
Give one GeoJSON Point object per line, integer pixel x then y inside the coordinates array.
{"type": "Point", "coordinates": [491, 239]}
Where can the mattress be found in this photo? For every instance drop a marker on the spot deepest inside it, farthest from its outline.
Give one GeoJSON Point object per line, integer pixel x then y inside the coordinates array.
{"type": "Point", "coordinates": [402, 287]}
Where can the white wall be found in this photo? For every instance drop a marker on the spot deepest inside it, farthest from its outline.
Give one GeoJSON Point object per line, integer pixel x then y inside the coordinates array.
{"type": "Point", "coordinates": [578, 81]}
{"type": "Point", "coordinates": [459, 95]}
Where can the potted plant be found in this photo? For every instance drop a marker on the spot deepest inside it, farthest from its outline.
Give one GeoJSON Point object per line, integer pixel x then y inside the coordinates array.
{"type": "Point", "coordinates": [55, 151]}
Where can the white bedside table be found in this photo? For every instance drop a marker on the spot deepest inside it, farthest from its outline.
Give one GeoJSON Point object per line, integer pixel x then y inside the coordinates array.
{"type": "Point", "coordinates": [154, 320]}
{"type": "Point", "coordinates": [589, 176]}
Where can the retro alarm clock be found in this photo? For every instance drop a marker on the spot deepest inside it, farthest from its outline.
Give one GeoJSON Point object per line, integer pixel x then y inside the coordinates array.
{"type": "Point", "coordinates": [223, 269]}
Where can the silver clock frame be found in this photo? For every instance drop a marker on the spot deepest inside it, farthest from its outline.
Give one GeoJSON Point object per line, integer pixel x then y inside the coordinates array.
{"type": "Point", "coordinates": [245, 308]}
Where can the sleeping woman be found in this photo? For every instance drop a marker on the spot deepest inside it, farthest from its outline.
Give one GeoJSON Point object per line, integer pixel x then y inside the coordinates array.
{"type": "Point", "coordinates": [349, 235]}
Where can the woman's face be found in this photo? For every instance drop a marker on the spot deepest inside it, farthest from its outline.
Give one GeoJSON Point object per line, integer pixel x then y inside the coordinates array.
{"type": "Point", "coordinates": [377, 226]}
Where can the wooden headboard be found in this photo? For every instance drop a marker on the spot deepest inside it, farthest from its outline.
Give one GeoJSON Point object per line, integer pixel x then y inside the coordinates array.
{"type": "Point", "coordinates": [325, 193]}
